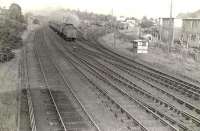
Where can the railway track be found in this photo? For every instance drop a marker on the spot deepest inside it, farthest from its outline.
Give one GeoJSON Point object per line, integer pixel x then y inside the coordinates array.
{"type": "Point", "coordinates": [24, 107]}
{"type": "Point", "coordinates": [190, 94]}
{"type": "Point", "coordinates": [193, 89]}
{"type": "Point", "coordinates": [170, 127]}
{"type": "Point", "coordinates": [145, 78]}
{"type": "Point", "coordinates": [116, 108]}
{"type": "Point", "coordinates": [166, 77]}
{"type": "Point", "coordinates": [174, 111]}
{"type": "Point", "coordinates": [128, 123]}
{"type": "Point", "coordinates": [61, 109]}
{"type": "Point", "coordinates": [184, 103]}
{"type": "Point", "coordinates": [184, 118]}
{"type": "Point", "coordinates": [155, 100]}
{"type": "Point", "coordinates": [25, 82]}
{"type": "Point", "coordinates": [184, 114]}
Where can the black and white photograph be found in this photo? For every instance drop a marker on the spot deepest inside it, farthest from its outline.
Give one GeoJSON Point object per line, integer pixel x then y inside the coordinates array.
{"type": "Point", "coordinates": [99, 65]}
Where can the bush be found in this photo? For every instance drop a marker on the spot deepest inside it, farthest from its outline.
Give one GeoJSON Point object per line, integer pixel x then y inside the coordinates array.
{"type": "Point", "coordinates": [10, 34]}
{"type": "Point", "coordinates": [36, 21]}
{"type": "Point", "coordinates": [6, 54]}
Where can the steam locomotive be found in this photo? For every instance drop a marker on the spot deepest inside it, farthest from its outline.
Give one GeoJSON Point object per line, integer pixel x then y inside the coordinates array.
{"type": "Point", "coordinates": [67, 31]}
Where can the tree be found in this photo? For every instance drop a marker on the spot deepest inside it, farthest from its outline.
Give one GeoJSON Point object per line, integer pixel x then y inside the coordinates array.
{"type": "Point", "coordinates": [12, 27]}
{"type": "Point", "coordinates": [71, 18]}
{"type": "Point", "coordinates": [15, 13]}
{"type": "Point", "coordinates": [146, 23]}
{"type": "Point", "coordinates": [36, 21]}
{"type": "Point", "coordinates": [26, 16]}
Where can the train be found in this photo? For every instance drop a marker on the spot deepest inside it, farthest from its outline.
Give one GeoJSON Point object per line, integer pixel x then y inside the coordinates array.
{"type": "Point", "coordinates": [65, 30]}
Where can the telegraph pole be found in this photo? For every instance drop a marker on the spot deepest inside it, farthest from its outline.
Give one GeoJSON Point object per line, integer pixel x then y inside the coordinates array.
{"type": "Point", "coordinates": [171, 24]}
{"type": "Point", "coordinates": [114, 39]}
{"type": "Point", "coordinates": [160, 29]}
{"type": "Point", "coordinates": [171, 6]}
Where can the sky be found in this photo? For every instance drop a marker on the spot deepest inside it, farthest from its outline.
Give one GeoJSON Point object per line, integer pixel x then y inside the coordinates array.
{"type": "Point", "coordinates": [135, 8]}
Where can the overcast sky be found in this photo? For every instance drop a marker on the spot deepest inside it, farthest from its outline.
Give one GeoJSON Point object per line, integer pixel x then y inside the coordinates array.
{"type": "Point", "coordinates": [137, 8]}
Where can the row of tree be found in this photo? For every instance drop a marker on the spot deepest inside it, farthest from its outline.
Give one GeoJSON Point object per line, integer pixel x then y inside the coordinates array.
{"type": "Point", "coordinates": [11, 27]}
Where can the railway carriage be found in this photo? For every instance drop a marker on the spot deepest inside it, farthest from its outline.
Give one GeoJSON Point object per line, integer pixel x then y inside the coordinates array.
{"type": "Point", "coordinates": [67, 31]}
{"type": "Point", "coordinates": [54, 26]}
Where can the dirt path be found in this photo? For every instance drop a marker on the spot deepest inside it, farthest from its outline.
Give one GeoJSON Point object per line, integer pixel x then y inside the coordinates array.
{"type": "Point", "coordinates": [9, 81]}
{"type": "Point", "coordinates": [8, 93]}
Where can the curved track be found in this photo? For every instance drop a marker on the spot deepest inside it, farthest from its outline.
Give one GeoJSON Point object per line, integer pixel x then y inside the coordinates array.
{"type": "Point", "coordinates": [142, 98]}
{"type": "Point", "coordinates": [119, 91]}
{"type": "Point", "coordinates": [145, 72]}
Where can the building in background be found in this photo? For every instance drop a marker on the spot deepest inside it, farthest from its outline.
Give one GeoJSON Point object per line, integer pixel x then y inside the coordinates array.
{"type": "Point", "coordinates": [167, 30]}
{"type": "Point", "coordinates": [127, 22]}
{"type": "Point", "coordinates": [171, 30]}
{"type": "Point", "coordinates": [191, 32]}
{"type": "Point", "coordinates": [132, 22]}
{"type": "Point", "coordinates": [121, 18]}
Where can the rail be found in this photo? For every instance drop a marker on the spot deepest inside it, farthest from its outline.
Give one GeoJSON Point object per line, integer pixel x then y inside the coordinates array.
{"type": "Point", "coordinates": [30, 104]}
{"type": "Point", "coordinates": [47, 85]}
{"type": "Point", "coordinates": [69, 86]}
